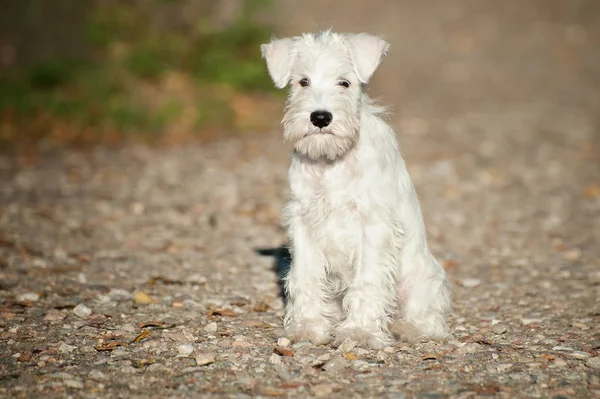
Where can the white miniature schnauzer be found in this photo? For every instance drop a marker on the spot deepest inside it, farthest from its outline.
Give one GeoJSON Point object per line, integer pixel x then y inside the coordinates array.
{"type": "Point", "coordinates": [360, 256]}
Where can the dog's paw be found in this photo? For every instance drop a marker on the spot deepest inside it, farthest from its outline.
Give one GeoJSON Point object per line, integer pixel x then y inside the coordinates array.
{"type": "Point", "coordinates": [366, 338]}
{"type": "Point", "coordinates": [312, 330]}
{"type": "Point", "coordinates": [410, 332]}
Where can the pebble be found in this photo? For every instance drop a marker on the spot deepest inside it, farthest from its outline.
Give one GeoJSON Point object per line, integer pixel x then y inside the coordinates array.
{"type": "Point", "coordinates": [203, 359]}
{"type": "Point", "coordinates": [594, 363]}
{"type": "Point", "coordinates": [275, 359]}
{"type": "Point", "coordinates": [562, 348]}
{"type": "Point", "coordinates": [82, 311]}
{"type": "Point", "coordinates": [211, 327]}
{"type": "Point", "coordinates": [347, 345]}
{"type": "Point", "coordinates": [28, 297]}
{"type": "Point", "coordinates": [572, 255]}
{"type": "Point", "coordinates": [579, 355]}
{"type": "Point", "coordinates": [335, 365]}
{"type": "Point", "coordinates": [185, 349]}
{"type": "Point", "coordinates": [75, 384]}
{"type": "Point", "coordinates": [360, 365]}
{"type": "Point", "coordinates": [499, 329]}
{"type": "Point", "coordinates": [65, 348]}
{"type": "Point", "coordinates": [283, 342]}
{"type": "Point", "coordinates": [322, 390]}
{"type": "Point", "coordinates": [470, 282]}
{"type": "Point", "coordinates": [97, 375]}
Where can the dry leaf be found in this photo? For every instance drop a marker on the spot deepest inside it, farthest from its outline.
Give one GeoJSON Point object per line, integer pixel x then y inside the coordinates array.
{"type": "Point", "coordinates": [282, 351]}
{"type": "Point", "coordinates": [141, 298]}
{"type": "Point", "coordinates": [261, 307]}
{"type": "Point", "coordinates": [449, 264]}
{"type": "Point", "coordinates": [592, 191]}
{"type": "Point", "coordinates": [109, 346]}
{"type": "Point", "coordinates": [547, 357]}
{"type": "Point", "coordinates": [142, 335]}
{"type": "Point", "coordinates": [430, 356]}
{"type": "Point", "coordinates": [221, 312]}
{"type": "Point", "coordinates": [161, 325]}
{"type": "Point", "coordinates": [25, 357]}
{"type": "Point", "coordinates": [350, 356]}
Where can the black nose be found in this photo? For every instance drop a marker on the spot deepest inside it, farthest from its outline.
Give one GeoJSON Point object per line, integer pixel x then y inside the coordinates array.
{"type": "Point", "coordinates": [321, 118]}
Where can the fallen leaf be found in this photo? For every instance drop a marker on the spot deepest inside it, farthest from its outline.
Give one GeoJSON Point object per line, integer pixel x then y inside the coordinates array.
{"type": "Point", "coordinates": [138, 364]}
{"type": "Point", "coordinates": [161, 325]}
{"type": "Point", "coordinates": [291, 385]}
{"type": "Point", "coordinates": [141, 298]}
{"type": "Point", "coordinates": [547, 357]}
{"type": "Point", "coordinates": [261, 307]}
{"type": "Point", "coordinates": [449, 264]}
{"type": "Point", "coordinates": [109, 346]}
{"type": "Point", "coordinates": [177, 304]}
{"type": "Point", "coordinates": [221, 312]}
{"type": "Point", "coordinates": [24, 357]}
{"type": "Point", "coordinates": [430, 356]}
{"type": "Point", "coordinates": [142, 335]}
{"type": "Point", "coordinates": [488, 389]}
{"type": "Point", "coordinates": [164, 280]}
{"type": "Point", "coordinates": [350, 356]}
{"type": "Point", "coordinates": [283, 352]}
{"type": "Point", "coordinates": [592, 191]}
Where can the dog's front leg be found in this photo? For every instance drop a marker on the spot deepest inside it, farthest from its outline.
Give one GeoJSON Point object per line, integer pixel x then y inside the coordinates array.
{"type": "Point", "coordinates": [370, 297]}
{"type": "Point", "coordinates": [309, 312]}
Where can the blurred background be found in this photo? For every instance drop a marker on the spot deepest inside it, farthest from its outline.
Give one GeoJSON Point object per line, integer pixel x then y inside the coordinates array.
{"type": "Point", "coordinates": [169, 71]}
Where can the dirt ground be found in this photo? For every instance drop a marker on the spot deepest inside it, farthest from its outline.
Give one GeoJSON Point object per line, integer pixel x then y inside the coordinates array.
{"type": "Point", "coordinates": [133, 273]}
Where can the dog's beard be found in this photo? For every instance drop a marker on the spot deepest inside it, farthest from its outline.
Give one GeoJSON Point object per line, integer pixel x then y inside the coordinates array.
{"type": "Point", "coordinates": [330, 143]}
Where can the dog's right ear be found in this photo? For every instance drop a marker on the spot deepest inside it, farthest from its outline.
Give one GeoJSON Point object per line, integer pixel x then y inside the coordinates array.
{"type": "Point", "coordinates": [278, 55]}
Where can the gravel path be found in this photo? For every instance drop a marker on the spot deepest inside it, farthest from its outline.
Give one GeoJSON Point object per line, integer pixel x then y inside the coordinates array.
{"type": "Point", "coordinates": [134, 273]}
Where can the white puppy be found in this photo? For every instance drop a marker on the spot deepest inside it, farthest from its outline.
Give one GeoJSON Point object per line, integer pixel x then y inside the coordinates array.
{"type": "Point", "coordinates": [360, 254]}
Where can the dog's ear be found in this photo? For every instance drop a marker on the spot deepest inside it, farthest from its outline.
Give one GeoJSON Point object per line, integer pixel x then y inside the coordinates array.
{"type": "Point", "coordinates": [278, 55]}
{"type": "Point", "coordinates": [366, 52]}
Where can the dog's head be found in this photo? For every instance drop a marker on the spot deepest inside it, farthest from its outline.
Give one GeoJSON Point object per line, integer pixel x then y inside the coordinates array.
{"type": "Point", "coordinates": [326, 72]}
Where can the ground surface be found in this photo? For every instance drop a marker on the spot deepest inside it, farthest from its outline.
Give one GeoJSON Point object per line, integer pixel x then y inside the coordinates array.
{"type": "Point", "coordinates": [497, 113]}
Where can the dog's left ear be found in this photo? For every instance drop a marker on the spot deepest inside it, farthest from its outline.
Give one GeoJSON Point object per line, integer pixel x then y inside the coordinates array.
{"type": "Point", "coordinates": [278, 55]}
{"type": "Point", "coordinates": [366, 52]}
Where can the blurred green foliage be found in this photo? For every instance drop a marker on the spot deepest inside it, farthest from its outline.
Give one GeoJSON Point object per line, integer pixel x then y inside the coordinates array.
{"type": "Point", "coordinates": [141, 78]}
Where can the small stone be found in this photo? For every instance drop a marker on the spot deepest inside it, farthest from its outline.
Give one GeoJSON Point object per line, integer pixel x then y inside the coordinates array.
{"type": "Point", "coordinates": [572, 255]}
{"type": "Point", "coordinates": [558, 362]}
{"type": "Point", "coordinates": [322, 390]}
{"type": "Point", "coordinates": [469, 348]}
{"type": "Point", "coordinates": [500, 329]}
{"type": "Point", "coordinates": [579, 355]}
{"type": "Point", "coordinates": [470, 282]}
{"type": "Point", "coordinates": [82, 311]}
{"type": "Point", "coordinates": [211, 327]}
{"type": "Point", "coordinates": [97, 375]}
{"type": "Point", "coordinates": [54, 315]}
{"type": "Point", "coordinates": [360, 365]}
{"type": "Point", "coordinates": [185, 349]}
{"type": "Point", "coordinates": [65, 348]}
{"type": "Point", "coordinates": [347, 345]}
{"type": "Point", "coordinates": [75, 384]}
{"type": "Point", "coordinates": [28, 297]}
{"type": "Point", "coordinates": [593, 363]}
{"type": "Point", "coordinates": [275, 359]}
{"type": "Point", "coordinates": [562, 348]}
{"type": "Point", "coordinates": [283, 342]}
{"type": "Point", "coordinates": [335, 365]}
{"type": "Point", "coordinates": [389, 349]}
{"type": "Point", "coordinates": [119, 294]}
{"type": "Point", "coordinates": [203, 359]}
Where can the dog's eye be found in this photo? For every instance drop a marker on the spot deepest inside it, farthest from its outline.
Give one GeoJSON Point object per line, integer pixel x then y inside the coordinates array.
{"type": "Point", "coordinates": [304, 82]}
{"type": "Point", "coordinates": [344, 83]}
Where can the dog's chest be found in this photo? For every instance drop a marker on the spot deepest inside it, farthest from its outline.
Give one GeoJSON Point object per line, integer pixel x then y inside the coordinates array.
{"type": "Point", "coordinates": [329, 210]}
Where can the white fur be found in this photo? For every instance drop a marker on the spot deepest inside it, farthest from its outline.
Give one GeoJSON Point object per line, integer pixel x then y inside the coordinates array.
{"type": "Point", "coordinates": [360, 254]}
